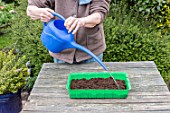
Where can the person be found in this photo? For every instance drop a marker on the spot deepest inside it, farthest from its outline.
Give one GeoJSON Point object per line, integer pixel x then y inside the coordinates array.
{"type": "Point", "coordinates": [84, 18]}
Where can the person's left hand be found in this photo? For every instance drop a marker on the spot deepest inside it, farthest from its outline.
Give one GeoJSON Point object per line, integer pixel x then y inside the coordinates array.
{"type": "Point", "coordinates": [73, 24]}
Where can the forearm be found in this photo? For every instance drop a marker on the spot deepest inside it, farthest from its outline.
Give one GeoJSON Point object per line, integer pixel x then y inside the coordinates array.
{"type": "Point", "coordinates": [92, 20]}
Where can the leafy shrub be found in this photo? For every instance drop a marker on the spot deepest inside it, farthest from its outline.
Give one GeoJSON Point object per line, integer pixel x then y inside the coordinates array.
{"type": "Point", "coordinates": [164, 24]}
{"type": "Point", "coordinates": [158, 10]}
{"type": "Point", "coordinates": [150, 8]}
{"type": "Point", "coordinates": [129, 39]}
{"type": "Point", "coordinates": [29, 43]}
{"type": "Point", "coordinates": [27, 33]}
{"type": "Point", "coordinates": [5, 14]}
{"type": "Point", "coordinates": [13, 72]}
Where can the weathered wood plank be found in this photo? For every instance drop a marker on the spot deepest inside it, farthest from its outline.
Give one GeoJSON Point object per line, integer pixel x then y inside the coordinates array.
{"type": "Point", "coordinates": [62, 95]}
{"type": "Point", "coordinates": [57, 71]}
{"type": "Point", "coordinates": [140, 64]}
{"type": "Point", "coordinates": [34, 111]}
{"type": "Point", "coordinates": [100, 107]}
{"type": "Point", "coordinates": [61, 75]}
{"type": "Point", "coordinates": [134, 81]}
{"type": "Point", "coordinates": [130, 99]}
{"type": "Point", "coordinates": [119, 66]}
{"type": "Point", "coordinates": [63, 91]}
{"type": "Point", "coordinates": [133, 96]}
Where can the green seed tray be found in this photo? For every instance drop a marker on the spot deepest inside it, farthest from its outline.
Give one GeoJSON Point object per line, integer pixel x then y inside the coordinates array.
{"type": "Point", "coordinates": [98, 93]}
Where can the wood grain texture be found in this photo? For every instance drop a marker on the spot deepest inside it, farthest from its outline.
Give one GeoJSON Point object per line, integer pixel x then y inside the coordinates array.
{"type": "Point", "coordinates": [149, 93]}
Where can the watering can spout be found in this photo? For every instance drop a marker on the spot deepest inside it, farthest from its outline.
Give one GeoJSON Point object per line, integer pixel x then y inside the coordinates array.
{"type": "Point", "coordinates": [77, 46]}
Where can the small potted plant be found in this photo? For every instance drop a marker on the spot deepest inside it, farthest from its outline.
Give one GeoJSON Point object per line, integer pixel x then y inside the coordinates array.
{"type": "Point", "coordinates": [13, 74]}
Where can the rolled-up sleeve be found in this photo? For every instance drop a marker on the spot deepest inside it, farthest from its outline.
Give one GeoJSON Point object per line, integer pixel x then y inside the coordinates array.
{"type": "Point", "coordinates": [100, 6]}
{"type": "Point", "coordinates": [42, 3]}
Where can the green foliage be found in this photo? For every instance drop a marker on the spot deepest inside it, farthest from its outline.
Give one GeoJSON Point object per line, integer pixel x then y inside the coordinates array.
{"type": "Point", "coordinates": [13, 72]}
{"type": "Point", "coordinates": [158, 10]}
{"type": "Point", "coordinates": [30, 83]}
{"type": "Point", "coordinates": [28, 42]}
{"type": "Point", "coordinates": [27, 33]}
{"type": "Point", "coordinates": [164, 24]}
{"type": "Point", "coordinates": [6, 39]}
{"type": "Point", "coordinates": [5, 14]}
{"type": "Point", "coordinates": [150, 8]}
{"type": "Point", "coordinates": [131, 39]}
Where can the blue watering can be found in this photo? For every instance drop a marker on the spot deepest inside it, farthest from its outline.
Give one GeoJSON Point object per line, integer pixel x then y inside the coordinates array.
{"type": "Point", "coordinates": [55, 38]}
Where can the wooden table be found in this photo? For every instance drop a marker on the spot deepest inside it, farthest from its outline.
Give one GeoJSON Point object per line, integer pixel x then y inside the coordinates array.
{"type": "Point", "coordinates": [149, 93]}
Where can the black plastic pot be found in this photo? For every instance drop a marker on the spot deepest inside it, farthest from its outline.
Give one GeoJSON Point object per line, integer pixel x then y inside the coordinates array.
{"type": "Point", "coordinates": [11, 103]}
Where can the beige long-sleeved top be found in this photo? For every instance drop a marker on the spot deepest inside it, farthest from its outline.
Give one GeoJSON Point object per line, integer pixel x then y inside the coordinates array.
{"type": "Point", "coordinates": [91, 38]}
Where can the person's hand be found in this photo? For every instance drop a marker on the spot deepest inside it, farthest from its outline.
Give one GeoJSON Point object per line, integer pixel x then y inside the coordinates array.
{"type": "Point", "coordinates": [45, 14]}
{"type": "Point", "coordinates": [73, 24]}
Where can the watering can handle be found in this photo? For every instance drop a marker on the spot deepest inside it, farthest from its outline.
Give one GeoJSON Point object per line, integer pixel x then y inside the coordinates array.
{"type": "Point", "coordinates": [56, 14]}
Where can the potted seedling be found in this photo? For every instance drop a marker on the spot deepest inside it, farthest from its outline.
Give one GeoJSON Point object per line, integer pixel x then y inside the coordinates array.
{"type": "Point", "coordinates": [13, 73]}
{"type": "Point", "coordinates": [98, 85]}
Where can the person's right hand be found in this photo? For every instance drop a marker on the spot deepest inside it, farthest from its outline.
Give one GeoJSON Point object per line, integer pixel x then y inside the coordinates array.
{"type": "Point", "coordinates": [45, 14]}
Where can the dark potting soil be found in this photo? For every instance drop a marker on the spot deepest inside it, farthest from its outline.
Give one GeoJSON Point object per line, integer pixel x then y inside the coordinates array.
{"type": "Point", "coordinates": [97, 83]}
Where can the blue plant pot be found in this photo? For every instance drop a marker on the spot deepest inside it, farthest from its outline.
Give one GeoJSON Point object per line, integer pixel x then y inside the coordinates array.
{"type": "Point", "coordinates": [11, 103]}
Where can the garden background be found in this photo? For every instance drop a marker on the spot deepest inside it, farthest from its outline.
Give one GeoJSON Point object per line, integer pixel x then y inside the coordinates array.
{"type": "Point", "coordinates": [135, 30]}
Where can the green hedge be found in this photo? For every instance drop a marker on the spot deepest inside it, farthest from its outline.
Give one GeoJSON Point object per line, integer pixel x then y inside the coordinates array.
{"type": "Point", "coordinates": [5, 14]}
{"type": "Point", "coordinates": [158, 10]}
{"type": "Point", "coordinates": [27, 33]}
{"type": "Point", "coordinates": [129, 39]}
